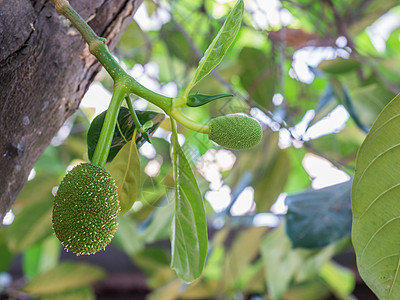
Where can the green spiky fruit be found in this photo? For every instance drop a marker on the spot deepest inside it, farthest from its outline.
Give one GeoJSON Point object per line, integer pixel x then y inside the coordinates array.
{"type": "Point", "coordinates": [236, 132]}
{"type": "Point", "coordinates": [86, 209]}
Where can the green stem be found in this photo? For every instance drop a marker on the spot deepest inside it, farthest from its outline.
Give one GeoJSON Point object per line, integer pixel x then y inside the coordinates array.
{"type": "Point", "coordinates": [177, 114]}
{"type": "Point", "coordinates": [135, 118]}
{"type": "Point", "coordinates": [107, 131]}
{"type": "Point", "coordinates": [96, 44]}
{"type": "Point", "coordinates": [123, 81]}
{"type": "Point", "coordinates": [165, 103]}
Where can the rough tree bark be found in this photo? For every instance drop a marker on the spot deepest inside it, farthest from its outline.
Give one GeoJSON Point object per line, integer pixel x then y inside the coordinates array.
{"type": "Point", "coordinates": [45, 69]}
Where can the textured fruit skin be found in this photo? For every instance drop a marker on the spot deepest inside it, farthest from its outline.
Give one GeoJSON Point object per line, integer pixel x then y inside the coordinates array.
{"type": "Point", "coordinates": [235, 132]}
{"type": "Point", "coordinates": [86, 209]}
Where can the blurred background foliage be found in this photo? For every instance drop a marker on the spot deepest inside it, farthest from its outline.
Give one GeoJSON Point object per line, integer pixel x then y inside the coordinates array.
{"type": "Point", "coordinates": [315, 74]}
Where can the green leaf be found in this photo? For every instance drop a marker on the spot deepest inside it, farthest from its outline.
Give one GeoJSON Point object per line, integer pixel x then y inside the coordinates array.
{"type": "Point", "coordinates": [280, 262]}
{"type": "Point", "coordinates": [125, 169]}
{"type": "Point", "coordinates": [244, 250]}
{"type": "Point", "coordinates": [298, 177]}
{"type": "Point", "coordinates": [82, 293]}
{"type": "Point", "coordinates": [339, 65]}
{"type": "Point", "coordinates": [274, 179]}
{"type": "Point", "coordinates": [127, 237]}
{"type": "Point", "coordinates": [341, 146]}
{"type": "Point", "coordinates": [125, 131]}
{"type": "Point", "coordinates": [31, 225]}
{"type": "Point", "coordinates": [189, 226]}
{"type": "Point", "coordinates": [284, 265]}
{"type": "Point", "coordinates": [66, 276]}
{"type": "Point", "coordinates": [258, 75]}
{"type": "Point", "coordinates": [369, 14]}
{"type": "Point", "coordinates": [134, 46]}
{"type": "Point", "coordinates": [340, 280]}
{"type": "Point", "coordinates": [5, 253]}
{"type": "Point", "coordinates": [344, 98]}
{"type": "Point", "coordinates": [370, 100]}
{"type": "Point", "coordinates": [317, 218]}
{"type": "Point", "coordinates": [41, 257]}
{"type": "Point", "coordinates": [375, 203]}
{"type": "Point", "coordinates": [159, 227]}
{"type": "Point", "coordinates": [177, 45]}
{"type": "Point", "coordinates": [199, 100]}
{"type": "Point", "coordinates": [216, 51]}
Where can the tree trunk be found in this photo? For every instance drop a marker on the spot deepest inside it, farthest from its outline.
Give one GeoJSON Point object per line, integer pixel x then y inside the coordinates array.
{"type": "Point", "coordinates": [45, 69]}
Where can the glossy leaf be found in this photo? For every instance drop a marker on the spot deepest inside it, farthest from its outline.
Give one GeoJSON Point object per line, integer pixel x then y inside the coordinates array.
{"type": "Point", "coordinates": [66, 276]}
{"type": "Point", "coordinates": [189, 227]}
{"type": "Point", "coordinates": [196, 100]}
{"type": "Point", "coordinates": [375, 203]}
{"type": "Point", "coordinates": [216, 51]}
{"type": "Point", "coordinates": [125, 131]}
{"type": "Point", "coordinates": [125, 169]}
{"type": "Point", "coordinates": [317, 218]}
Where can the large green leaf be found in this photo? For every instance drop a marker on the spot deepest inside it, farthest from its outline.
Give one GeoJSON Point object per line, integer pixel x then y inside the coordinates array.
{"type": "Point", "coordinates": [124, 133]}
{"type": "Point", "coordinates": [375, 203]}
{"type": "Point", "coordinates": [317, 218]}
{"type": "Point", "coordinates": [216, 51]}
{"type": "Point", "coordinates": [125, 169]}
{"type": "Point", "coordinates": [189, 226]}
{"type": "Point", "coordinates": [66, 276]}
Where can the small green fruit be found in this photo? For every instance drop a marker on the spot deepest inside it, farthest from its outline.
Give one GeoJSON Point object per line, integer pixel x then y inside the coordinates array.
{"type": "Point", "coordinates": [235, 132]}
{"type": "Point", "coordinates": [86, 209]}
